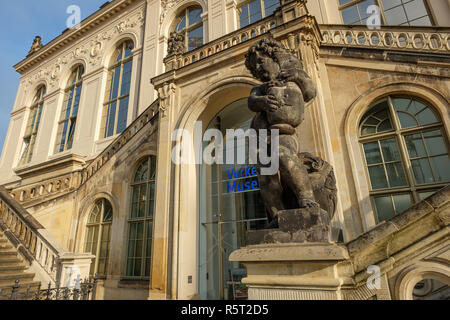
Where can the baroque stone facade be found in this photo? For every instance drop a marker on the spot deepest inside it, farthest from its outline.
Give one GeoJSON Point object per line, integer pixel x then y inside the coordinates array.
{"type": "Point", "coordinates": [183, 210]}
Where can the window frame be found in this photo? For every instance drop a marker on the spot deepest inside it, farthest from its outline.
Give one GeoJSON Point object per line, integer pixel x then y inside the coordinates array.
{"type": "Point", "coordinates": [188, 28]}
{"type": "Point", "coordinates": [100, 226]}
{"type": "Point", "coordinates": [382, 12]}
{"type": "Point", "coordinates": [33, 124]}
{"type": "Point", "coordinates": [247, 2]}
{"type": "Point", "coordinates": [145, 220]}
{"type": "Point", "coordinates": [398, 134]}
{"type": "Point", "coordinates": [78, 71]}
{"type": "Point", "coordinates": [108, 101]}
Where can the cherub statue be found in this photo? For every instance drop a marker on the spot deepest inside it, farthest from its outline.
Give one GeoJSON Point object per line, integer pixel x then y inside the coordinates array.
{"type": "Point", "coordinates": [176, 44]}
{"type": "Point", "coordinates": [36, 46]}
{"type": "Point", "coordinates": [280, 103]}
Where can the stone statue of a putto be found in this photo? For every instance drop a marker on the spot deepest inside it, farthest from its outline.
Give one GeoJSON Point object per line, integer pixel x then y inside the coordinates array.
{"type": "Point", "coordinates": [36, 46]}
{"type": "Point", "coordinates": [301, 198]}
{"type": "Point", "coordinates": [176, 44]}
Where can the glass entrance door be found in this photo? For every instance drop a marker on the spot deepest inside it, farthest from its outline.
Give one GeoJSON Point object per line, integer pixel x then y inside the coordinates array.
{"type": "Point", "coordinates": [227, 211]}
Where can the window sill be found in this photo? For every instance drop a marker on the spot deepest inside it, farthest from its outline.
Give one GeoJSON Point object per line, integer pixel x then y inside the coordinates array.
{"type": "Point", "coordinates": [134, 284]}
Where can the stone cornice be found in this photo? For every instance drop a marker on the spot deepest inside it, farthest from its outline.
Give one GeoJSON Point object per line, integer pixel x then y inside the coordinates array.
{"type": "Point", "coordinates": [70, 36]}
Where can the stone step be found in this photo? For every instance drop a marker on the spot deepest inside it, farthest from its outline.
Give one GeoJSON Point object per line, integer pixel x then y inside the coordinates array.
{"type": "Point", "coordinates": [6, 254]}
{"type": "Point", "coordinates": [7, 280]}
{"type": "Point", "coordinates": [5, 292]}
{"type": "Point", "coordinates": [6, 247]}
{"type": "Point", "coordinates": [12, 269]}
{"type": "Point", "coordinates": [4, 261]}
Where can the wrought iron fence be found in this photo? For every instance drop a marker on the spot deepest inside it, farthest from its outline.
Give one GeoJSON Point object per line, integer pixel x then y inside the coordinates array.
{"type": "Point", "coordinates": [82, 290]}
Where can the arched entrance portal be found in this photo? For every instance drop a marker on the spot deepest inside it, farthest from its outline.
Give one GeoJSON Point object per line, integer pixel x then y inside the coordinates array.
{"type": "Point", "coordinates": [227, 210]}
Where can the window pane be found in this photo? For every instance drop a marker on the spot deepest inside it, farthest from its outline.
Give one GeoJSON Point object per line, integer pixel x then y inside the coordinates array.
{"type": "Point", "coordinates": [426, 117]}
{"type": "Point", "coordinates": [255, 11]}
{"type": "Point", "coordinates": [111, 118]}
{"type": "Point", "coordinates": [384, 208]}
{"type": "Point", "coordinates": [396, 175]}
{"type": "Point", "coordinates": [244, 17]}
{"type": "Point", "coordinates": [182, 24]}
{"type": "Point", "coordinates": [115, 83]}
{"type": "Point", "coordinates": [426, 194]}
{"type": "Point", "coordinates": [407, 120]}
{"type": "Point", "coordinates": [422, 171]}
{"type": "Point", "coordinates": [402, 203]}
{"type": "Point", "coordinates": [435, 143]}
{"type": "Point", "coordinates": [378, 177]}
{"type": "Point", "coordinates": [363, 6]}
{"type": "Point", "coordinates": [195, 38]}
{"type": "Point", "coordinates": [123, 115]}
{"type": "Point", "coordinates": [270, 6]}
{"type": "Point", "coordinates": [372, 151]}
{"type": "Point", "coordinates": [415, 9]}
{"type": "Point", "coordinates": [77, 101]}
{"type": "Point", "coordinates": [401, 104]}
{"type": "Point", "coordinates": [194, 16]}
{"type": "Point", "coordinates": [415, 146]}
{"type": "Point", "coordinates": [387, 4]}
{"type": "Point", "coordinates": [390, 150]}
{"type": "Point", "coordinates": [396, 16]}
{"type": "Point", "coordinates": [126, 78]}
{"type": "Point", "coordinates": [350, 15]}
{"type": "Point", "coordinates": [441, 168]}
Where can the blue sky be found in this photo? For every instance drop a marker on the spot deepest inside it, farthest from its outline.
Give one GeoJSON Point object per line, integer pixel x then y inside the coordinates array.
{"type": "Point", "coordinates": [20, 22]}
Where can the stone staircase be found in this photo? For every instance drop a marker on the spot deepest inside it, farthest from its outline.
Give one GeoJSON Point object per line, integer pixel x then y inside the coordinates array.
{"type": "Point", "coordinates": [13, 268]}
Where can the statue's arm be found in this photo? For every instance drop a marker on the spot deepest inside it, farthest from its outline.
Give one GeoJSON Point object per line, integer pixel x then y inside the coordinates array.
{"type": "Point", "coordinates": [302, 79]}
{"type": "Point", "coordinates": [257, 102]}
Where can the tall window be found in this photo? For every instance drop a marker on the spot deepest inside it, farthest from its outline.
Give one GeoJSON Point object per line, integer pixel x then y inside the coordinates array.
{"type": "Point", "coordinates": [393, 12]}
{"type": "Point", "coordinates": [69, 114]}
{"type": "Point", "coordinates": [189, 22]}
{"type": "Point", "coordinates": [140, 223]}
{"type": "Point", "coordinates": [118, 94]}
{"type": "Point", "coordinates": [406, 153]}
{"type": "Point", "coordinates": [251, 11]}
{"type": "Point", "coordinates": [31, 131]}
{"type": "Point", "coordinates": [98, 236]}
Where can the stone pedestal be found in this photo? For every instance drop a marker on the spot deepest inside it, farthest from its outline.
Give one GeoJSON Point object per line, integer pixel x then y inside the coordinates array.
{"type": "Point", "coordinates": [297, 226]}
{"type": "Point", "coordinates": [308, 271]}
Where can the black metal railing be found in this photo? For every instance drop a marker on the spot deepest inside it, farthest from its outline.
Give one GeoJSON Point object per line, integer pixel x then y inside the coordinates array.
{"type": "Point", "coordinates": [82, 290]}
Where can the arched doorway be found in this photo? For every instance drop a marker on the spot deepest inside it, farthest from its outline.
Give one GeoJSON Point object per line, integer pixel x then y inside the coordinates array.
{"type": "Point", "coordinates": [226, 213]}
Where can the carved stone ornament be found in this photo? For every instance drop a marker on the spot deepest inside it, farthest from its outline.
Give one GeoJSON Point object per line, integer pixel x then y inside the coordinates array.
{"type": "Point", "coordinates": [176, 44]}
{"type": "Point", "coordinates": [36, 46]}
{"type": "Point", "coordinates": [165, 96]}
{"type": "Point", "coordinates": [301, 198]}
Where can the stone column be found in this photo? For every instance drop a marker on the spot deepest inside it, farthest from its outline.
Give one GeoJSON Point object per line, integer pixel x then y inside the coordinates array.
{"type": "Point", "coordinates": [160, 285]}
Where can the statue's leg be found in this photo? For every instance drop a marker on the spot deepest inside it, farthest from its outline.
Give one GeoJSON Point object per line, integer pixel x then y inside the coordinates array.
{"type": "Point", "coordinates": [294, 173]}
{"type": "Point", "coordinates": [272, 194]}
{"type": "Point", "coordinates": [270, 186]}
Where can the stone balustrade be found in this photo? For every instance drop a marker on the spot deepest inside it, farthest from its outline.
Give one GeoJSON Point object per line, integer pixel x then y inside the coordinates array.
{"type": "Point", "coordinates": [46, 189]}
{"type": "Point", "coordinates": [230, 40]}
{"type": "Point", "coordinates": [149, 115]}
{"type": "Point", "coordinates": [47, 258]}
{"type": "Point", "coordinates": [428, 39]}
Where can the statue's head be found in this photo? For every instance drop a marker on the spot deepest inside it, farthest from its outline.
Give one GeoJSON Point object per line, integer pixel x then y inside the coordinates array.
{"type": "Point", "coordinates": [263, 59]}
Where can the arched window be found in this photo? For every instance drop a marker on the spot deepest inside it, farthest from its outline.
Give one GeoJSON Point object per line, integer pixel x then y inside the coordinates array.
{"type": "Point", "coordinates": [140, 223]}
{"type": "Point", "coordinates": [189, 22]}
{"type": "Point", "coordinates": [406, 153]}
{"type": "Point", "coordinates": [118, 93]}
{"type": "Point", "coordinates": [98, 236]}
{"type": "Point", "coordinates": [393, 12]}
{"type": "Point", "coordinates": [31, 131]}
{"type": "Point", "coordinates": [251, 11]}
{"type": "Point", "coordinates": [66, 129]}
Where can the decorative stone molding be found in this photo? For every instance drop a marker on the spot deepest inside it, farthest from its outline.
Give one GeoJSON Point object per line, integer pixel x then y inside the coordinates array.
{"type": "Point", "coordinates": [91, 50]}
{"type": "Point", "coordinates": [430, 40]}
{"type": "Point", "coordinates": [166, 5]}
{"type": "Point", "coordinates": [165, 95]}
